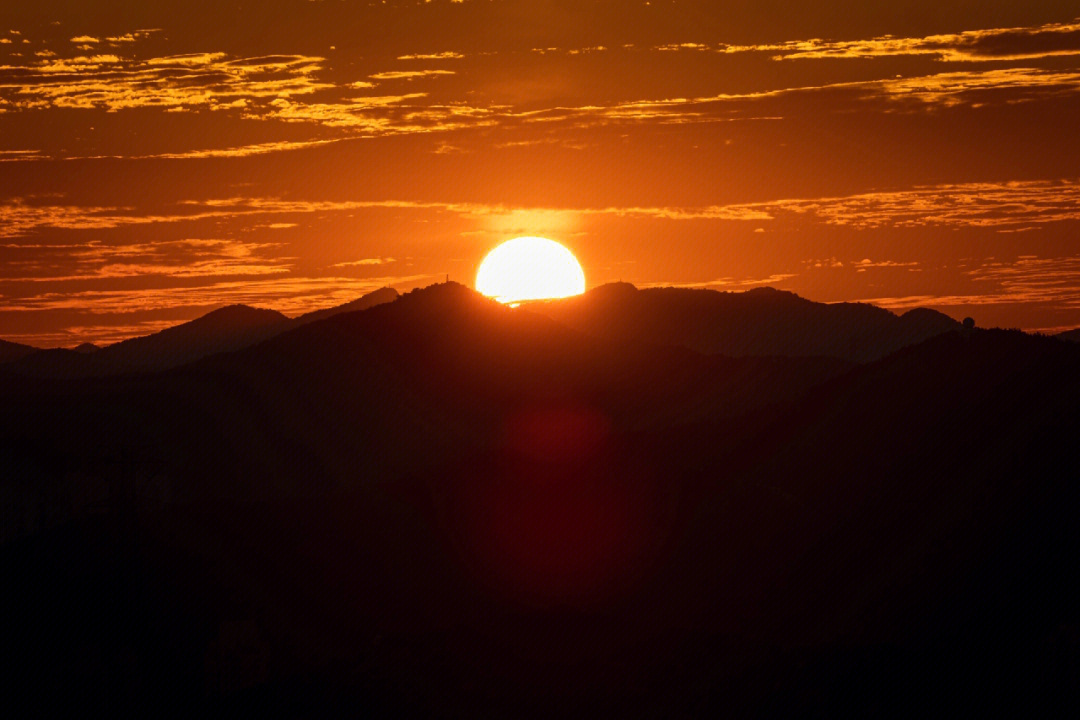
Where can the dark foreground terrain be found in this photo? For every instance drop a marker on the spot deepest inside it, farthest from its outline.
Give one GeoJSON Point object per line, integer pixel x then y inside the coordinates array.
{"type": "Point", "coordinates": [442, 506]}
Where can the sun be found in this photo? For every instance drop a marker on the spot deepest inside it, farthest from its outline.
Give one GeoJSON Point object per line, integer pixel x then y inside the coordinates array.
{"type": "Point", "coordinates": [530, 268]}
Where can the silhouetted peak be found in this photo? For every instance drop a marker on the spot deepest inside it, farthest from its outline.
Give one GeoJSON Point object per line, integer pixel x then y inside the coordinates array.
{"type": "Point", "coordinates": [85, 348]}
{"type": "Point", "coordinates": [774, 295]}
{"type": "Point", "coordinates": [377, 297]}
{"type": "Point", "coordinates": [239, 315]}
{"type": "Point", "coordinates": [1070, 335]}
{"type": "Point", "coordinates": [928, 317]}
{"type": "Point", "coordinates": [387, 293]}
{"type": "Point", "coordinates": [615, 288]}
{"type": "Point", "coordinates": [432, 304]}
{"type": "Point", "coordinates": [442, 294]}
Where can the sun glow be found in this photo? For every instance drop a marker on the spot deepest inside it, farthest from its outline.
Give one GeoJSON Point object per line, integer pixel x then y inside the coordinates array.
{"type": "Point", "coordinates": [530, 268]}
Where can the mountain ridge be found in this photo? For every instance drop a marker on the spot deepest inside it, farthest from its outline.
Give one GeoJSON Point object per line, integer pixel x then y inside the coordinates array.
{"type": "Point", "coordinates": [758, 322]}
{"type": "Point", "coordinates": [226, 329]}
{"type": "Point", "coordinates": [10, 351]}
{"type": "Point", "coordinates": [362, 483]}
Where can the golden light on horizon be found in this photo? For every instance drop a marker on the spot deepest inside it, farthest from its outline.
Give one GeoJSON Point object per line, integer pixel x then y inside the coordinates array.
{"type": "Point", "coordinates": [530, 268]}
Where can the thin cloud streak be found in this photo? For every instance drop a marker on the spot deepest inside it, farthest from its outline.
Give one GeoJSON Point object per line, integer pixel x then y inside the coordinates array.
{"type": "Point", "coordinates": [289, 295]}
{"type": "Point", "coordinates": [1006, 205]}
{"type": "Point", "coordinates": [95, 261]}
{"type": "Point", "coordinates": [986, 45]}
{"type": "Point", "coordinates": [1052, 282]}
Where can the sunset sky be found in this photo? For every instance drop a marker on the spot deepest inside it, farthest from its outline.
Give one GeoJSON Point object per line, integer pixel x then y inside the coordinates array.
{"type": "Point", "coordinates": [161, 159]}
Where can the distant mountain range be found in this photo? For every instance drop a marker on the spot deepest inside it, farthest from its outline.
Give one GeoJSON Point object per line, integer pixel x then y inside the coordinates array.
{"type": "Point", "coordinates": [224, 330]}
{"type": "Point", "coordinates": [1070, 335]}
{"type": "Point", "coordinates": [758, 322]}
{"type": "Point", "coordinates": [762, 322]}
{"type": "Point", "coordinates": [13, 351]}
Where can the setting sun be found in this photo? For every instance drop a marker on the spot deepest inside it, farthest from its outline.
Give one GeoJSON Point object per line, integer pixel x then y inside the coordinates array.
{"type": "Point", "coordinates": [530, 268]}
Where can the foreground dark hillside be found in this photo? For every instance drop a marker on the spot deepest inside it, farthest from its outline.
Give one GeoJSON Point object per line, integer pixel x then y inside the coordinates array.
{"type": "Point", "coordinates": [444, 506]}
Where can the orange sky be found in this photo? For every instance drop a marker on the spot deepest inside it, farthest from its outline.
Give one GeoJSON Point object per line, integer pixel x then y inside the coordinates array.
{"type": "Point", "coordinates": [158, 160]}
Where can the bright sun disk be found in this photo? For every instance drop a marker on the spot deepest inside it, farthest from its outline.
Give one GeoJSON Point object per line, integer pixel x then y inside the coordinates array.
{"type": "Point", "coordinates": [530, 268]}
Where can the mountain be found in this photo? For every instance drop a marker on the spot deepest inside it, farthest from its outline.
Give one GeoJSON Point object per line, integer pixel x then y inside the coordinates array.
{"type": "Point", "coordinates": [758, 322]}
{"type": "Point", "coordinates": [400, 387]}
{"type": "Point", "coordinates": [224, 330]}
{"type": "Point", "coordinates": [761, 323]}
{"type": "Point", "coordinates": [13, 351]}
{"type": "Point", "coordinates": [442, 502]}
{"type": "Point", "coordinates": [1070, 335]}
{"type": "Point", "coordinates": [378, 297]}
{"type": "Point", "coordinates": [229, 328]}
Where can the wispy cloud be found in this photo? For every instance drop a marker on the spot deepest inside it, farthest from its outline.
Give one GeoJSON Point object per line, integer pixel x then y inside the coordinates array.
{"type": "Point", "coordinates": [20, 155]}
{"type": "Point", "coordinates": [728, 283]}
{"type": "Point", "coordinates": [1002, 86]}
{"type": "Point", "coordinates": [365, 262]}
{"type": "Point", "coordinates": [447, 55]}
{"type": "Point", "coordinates": [992, 44]}
{"type": "Point", "coordinates": [116, 82]}
{"type": "Point", "coordinates": [21, 217]}
{"type": "Point", "coordinates": [242, 150]}
{"type": "Point", "coordinates": [1050, 282]}
{"type": "Point", "coordinates": [984, 205]}
{"type": "Point", "coordinates": [1005, 205]}
{"type": "Point", "coordinates": [288, 294]}
{"type": "Point", "coordinates": [92, 261]}
{"type": "Point", "coordinates": [410, 74]}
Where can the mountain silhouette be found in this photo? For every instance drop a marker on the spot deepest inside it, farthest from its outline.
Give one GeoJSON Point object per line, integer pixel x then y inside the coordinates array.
{"type": "Point", "coordinates": [761, 322]}
{"type": "Point", "coordinates": [377, 297]}
{"type": "Point", "coordinates": [1070, 335]}
{"type": "Point", "coordinates": [224, 330]}
{"type": "Point", "coordinates": [442, 503]}
{"type": "Point", "coordinates": [13, 351]}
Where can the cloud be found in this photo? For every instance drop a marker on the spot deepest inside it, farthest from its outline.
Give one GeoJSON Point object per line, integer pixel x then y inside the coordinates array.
{"type": "Point", "coordinates": [674, 47]}
{"type": "Point", "coordinates": [365, 262]}
{"type": "Point", "coordinates": [288, 294]}
{"type": "Point", "coordinates": [410, 74]}
{"type": "Point", "coordinates": [993, 44]}
{"type": "Point", "coordinates": [448, 55]}
{"type": "Point", "coordinates": [730, 283]}
{"type": "Point", "coordinates": [1033, 279]}
{"type": "Point", "coordinates": [92, 261]}
{"type": "Point", "coordinates": [19, 217]}
{"type": "Point", "coordinates": [242, 151]}
{"type": "Point", "coordinates": [1050, 282]}
{"type": "Point", "coordinates": [100, 335]}
{"type": "Point", "coordinates": [1003, 205]}
{"type": "Point", "coordinates": [867, 263]}
{"type": "Point", "coordinates": [114, 82]}
{"type": "Point", "coordinates": [19, 155]}
{"type": "Point", "coordinates": [300, 89]}
{"type": "Point", "coordinates": [1003, 86]}
{"type": "Point", "coordinates": [973, 205]}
